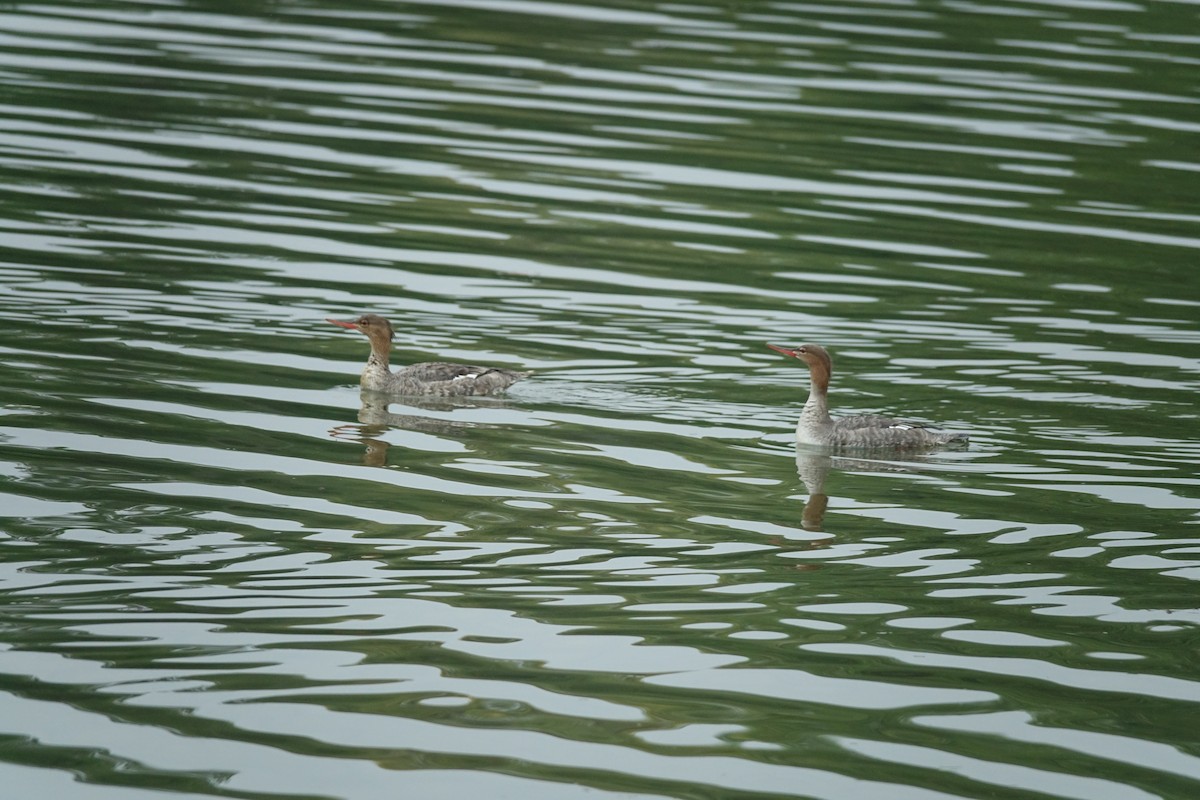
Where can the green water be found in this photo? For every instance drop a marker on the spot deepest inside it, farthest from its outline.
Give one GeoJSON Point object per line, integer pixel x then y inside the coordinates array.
{"type": "Point", "coordinates": [223, 573]}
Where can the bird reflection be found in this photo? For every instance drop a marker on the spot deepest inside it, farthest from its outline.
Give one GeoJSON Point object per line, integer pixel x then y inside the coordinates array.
{"type": "Point", "coordinates": [813, 466]}
{"type": "Point", "coordinates": [813, 469]}
{"type": "Point", "coordinates": [375, 420]}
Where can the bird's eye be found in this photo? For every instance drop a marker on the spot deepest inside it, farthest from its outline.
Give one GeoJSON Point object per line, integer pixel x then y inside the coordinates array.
{"type": "Point", "coordinates": [364, 321]}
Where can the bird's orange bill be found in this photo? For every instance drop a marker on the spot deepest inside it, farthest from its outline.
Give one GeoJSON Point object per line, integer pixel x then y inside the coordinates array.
{"type": "Point", "coordinates": [338, 322]}
{"type": "Point", "coordinates": [787, 351]}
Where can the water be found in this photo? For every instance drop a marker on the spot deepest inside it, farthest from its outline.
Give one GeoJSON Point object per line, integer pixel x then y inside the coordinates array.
{"type": "Point", "coordinates": [224, 574]}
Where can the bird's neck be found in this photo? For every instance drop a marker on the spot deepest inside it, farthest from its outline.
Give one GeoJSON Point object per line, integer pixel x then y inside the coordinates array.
{"type": "Point", "coordinates": [377, 372]}
{"type": "Point", "coordinates": [817, 406]}
{"type": "Point", "coordinates": [814, 419]}
{"type": "Point", "coordinates": [380, 358]}
{"type": "Point", "coordinates": [816, 409]}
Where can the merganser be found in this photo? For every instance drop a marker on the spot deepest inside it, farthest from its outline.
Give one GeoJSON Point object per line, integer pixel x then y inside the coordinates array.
{"type": "Point", "coordinates": [431, 378]}
{"type": "Point", "coordinates": [816, 427]}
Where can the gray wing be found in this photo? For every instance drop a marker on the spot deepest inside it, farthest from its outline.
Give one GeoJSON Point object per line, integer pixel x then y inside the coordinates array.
{"type": "Point", "coordinates": [441, 378]}
{"type": "Point", "coordinates": [872, 430]}
{"type": "Point", "coordinates": [877, 421]}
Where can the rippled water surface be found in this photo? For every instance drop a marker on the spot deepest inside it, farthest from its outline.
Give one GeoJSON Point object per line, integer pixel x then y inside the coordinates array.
{"type": "Point", "coordinates": [223, 573]}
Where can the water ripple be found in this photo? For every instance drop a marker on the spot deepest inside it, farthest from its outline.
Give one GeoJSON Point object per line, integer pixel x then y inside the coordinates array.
{"type": "Point", "coordinates": [229, 574]}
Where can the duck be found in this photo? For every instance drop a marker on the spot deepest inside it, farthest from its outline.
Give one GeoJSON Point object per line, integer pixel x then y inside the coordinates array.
{"type": "Point", "coordinates": [863, 431]}
{"type": "Point", "coordinates": [433, 378]}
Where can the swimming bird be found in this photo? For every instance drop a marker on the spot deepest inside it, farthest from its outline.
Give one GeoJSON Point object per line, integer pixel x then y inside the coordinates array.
{"type": "Point", "coordinates": [431, 378]}
{"type": "Point", "coordinates": [863, 431]}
